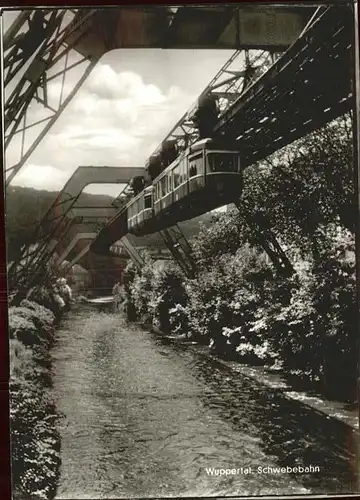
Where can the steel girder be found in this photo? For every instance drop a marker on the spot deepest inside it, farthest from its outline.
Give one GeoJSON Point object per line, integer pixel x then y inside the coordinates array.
{"type": "Point", "coordinates": [180, 249]}
{"type": "Point", "coordinates": [124, 244]}
{"type": "Point", "coordinates": [191, 27]}
{"type": "Point", "coordinates": [293, 97]}
{"type": "Point", "coordinates": [238, 73]}
{"type": "Point", "coordinates": [69, 248]}
{"type": "Point", "coordinates": [38, 41]}
{"type": "Point", "coordinates": [43, 38]}
{"type": "Point", "coordinates": [119, 250]}
{"type": "Point", "coordinates": [58, 220]}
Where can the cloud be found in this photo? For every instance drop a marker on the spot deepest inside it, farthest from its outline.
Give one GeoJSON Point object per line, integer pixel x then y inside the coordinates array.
{"type": "Point", "coordinates": [105, 83]}
{"type": "Point", "coordinates": [41, 177]}
{"type": "Point", "coordinates": [117, 118]}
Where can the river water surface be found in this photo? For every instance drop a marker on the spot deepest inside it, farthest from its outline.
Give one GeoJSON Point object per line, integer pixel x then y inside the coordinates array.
{"type": "Point", "coordinates": [145, 418]}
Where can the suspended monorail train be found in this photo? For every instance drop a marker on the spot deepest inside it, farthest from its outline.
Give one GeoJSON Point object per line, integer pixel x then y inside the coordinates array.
{"type": "Point", "coordinates": [204, 177]}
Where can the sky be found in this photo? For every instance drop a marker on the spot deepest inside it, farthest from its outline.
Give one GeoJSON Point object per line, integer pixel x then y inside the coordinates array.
{"type": "Point", "coordinates": [119, 116]}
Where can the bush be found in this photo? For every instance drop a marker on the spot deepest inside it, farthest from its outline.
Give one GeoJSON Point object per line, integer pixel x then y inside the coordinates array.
{"type": "Point", "coordinates": [141, 288]}
{"type": "Point", "coordinates": [46, 298]}
{"type": "Point", "coordinates": [23, 329]}
{"type": "Point", "coordinates": [128, 278]}
{"type": "Point", "coordinates": [34, 436]}
{"type": "Point", "coordinates": [35, 443]}
{"type": "Point", "coordinates": [239, 304]}
{"type": "Point", "coordinates": [42, 318]}
{"type": "Point", "coordinates": [168, 299]}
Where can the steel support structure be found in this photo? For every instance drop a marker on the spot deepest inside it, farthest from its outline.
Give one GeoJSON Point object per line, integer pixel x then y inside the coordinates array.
{"type": "Point", "coordinates": [38, 44]}
{"type": "Point", "coordinates": [118, 250]}
{"type": "Point", "coordinates": [36, 54]}
{"type": "Point", "coordinates": [237, 74]}
{"type": "Point", "coordinates": [125, 244]}
{"type": "Point", "coordinates": [180, 249]}
{"type": "Point", "coordinates": [57, 221]}
{"type": "Point", "coordinates": [133, 252]}
{"type": "Point", "coordinates": [78, 237]}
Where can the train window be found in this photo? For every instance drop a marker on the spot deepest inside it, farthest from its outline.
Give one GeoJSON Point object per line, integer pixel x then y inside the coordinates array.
{"type": "Point", "coordinates": [184, 171]}
{"type": "Point", "coordinates": [176, 176]}
{"type": "Point", "coordinates": [200, 165]}
{"type": "Point", "coordinates": [196, 165]}
{"type": "Point", "coordinates": [180, 167]}
{"type": "Point", "coordinates": [169, 182]}
{"type": "Point", "coordinates": [163, 186]}
{"type": "Point", "coordinates": [222, 162]}
{"type": "Point", "coordinates": [192, 169]}
{"type": "Point", "coordinates": [147, 201]}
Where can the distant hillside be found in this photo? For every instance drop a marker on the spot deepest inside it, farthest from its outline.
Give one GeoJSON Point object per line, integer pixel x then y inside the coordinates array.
{"type": "Point", "coordinates": [25, 208]}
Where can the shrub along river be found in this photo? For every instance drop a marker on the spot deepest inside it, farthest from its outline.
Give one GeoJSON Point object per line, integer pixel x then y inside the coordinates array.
{"type": "Point", "coordinates": [144, 417]}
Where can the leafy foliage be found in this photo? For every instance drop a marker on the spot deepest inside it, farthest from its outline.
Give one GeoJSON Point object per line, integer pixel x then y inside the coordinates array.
{"type": "Point", "coordinates": [240, 305]}
{"type": "Point", "coordinates": [34, 420]}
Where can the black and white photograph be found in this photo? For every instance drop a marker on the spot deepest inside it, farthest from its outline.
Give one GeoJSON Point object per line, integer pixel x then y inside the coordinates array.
{"type": "Point", "coordinates": [182, 227]}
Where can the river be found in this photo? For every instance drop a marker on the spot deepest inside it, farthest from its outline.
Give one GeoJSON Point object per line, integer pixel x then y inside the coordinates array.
{"type": "Point", "coordinates": [144, 418]}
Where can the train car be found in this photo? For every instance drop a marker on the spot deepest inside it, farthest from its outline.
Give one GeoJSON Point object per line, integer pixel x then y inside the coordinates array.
{"type": "Point", "coordinates": [204, 177]}
{"type": "Point", "coordinates": [140, 210]}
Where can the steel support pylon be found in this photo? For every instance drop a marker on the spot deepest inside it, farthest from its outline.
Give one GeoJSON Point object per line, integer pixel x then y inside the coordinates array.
{"type": "Point", "coordinates": [36, 55]}
{"type": "Point", "coordinates": [236, 75]}
{"type": "Point", "coordinates": [133, 252]}
{"type": "Point", "coordinates": [180, 249]}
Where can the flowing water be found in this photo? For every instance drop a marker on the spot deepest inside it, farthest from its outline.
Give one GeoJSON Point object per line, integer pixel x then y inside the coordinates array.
{"type": "Point", "coordinates": [147, 418]}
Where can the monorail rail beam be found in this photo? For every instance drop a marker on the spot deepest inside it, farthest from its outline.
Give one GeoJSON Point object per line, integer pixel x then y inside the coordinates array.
{"type": "Point", "coordinates": [57, 216]}
{"type": "Point", "coordinates": [272, 114]}
{"type": "Point", "coordinates": [53, 247]}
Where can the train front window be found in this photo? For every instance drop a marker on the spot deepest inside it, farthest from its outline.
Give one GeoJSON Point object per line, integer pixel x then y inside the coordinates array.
{"type": "Point", "coordinates": [196, 166]}
{"type": "Point", "coordinates": [222, 162]}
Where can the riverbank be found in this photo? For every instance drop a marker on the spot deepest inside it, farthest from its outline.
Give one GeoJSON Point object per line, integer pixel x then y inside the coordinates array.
{"type": "Point", "coordinates": [274, 379]}
{"type": "Point", "coordinates": [35, 439]}
{"type": "Point", "coordinates": [146, 417]}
